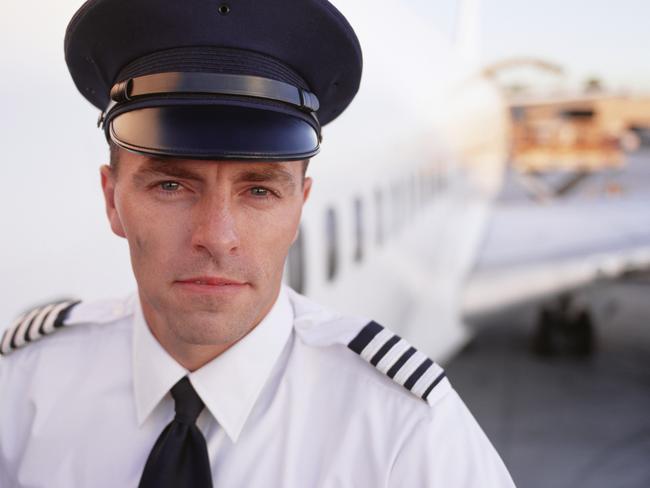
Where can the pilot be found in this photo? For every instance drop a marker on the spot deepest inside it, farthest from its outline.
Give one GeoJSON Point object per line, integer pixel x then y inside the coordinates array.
{"type": "Point", "coordinates": [214, 373]}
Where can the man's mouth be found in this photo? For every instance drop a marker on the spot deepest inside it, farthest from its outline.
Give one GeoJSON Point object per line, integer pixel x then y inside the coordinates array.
{"type": "Point", "coordinates": [211, 281]}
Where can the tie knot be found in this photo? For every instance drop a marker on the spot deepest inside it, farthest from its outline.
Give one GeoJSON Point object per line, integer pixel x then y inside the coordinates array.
{"type": "Point", "coordinates": [188, 404]}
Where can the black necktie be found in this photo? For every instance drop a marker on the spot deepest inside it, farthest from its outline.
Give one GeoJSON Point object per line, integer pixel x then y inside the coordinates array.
{"type": "Point", "coordinates": [179, 459]}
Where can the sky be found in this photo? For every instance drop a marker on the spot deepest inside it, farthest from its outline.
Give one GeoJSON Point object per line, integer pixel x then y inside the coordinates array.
{"type": "Point", "coordinates": [602, 38]}
{"type": "Point", "coordinates": [589, 38]}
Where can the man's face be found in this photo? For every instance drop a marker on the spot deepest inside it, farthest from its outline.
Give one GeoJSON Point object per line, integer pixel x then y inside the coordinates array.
{"type": "Point", "coordinates": [207, 240]}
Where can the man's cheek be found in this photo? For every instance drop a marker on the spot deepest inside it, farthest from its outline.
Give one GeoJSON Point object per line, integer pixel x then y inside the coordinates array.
{"type": "Point", "coordinates": [140, 244]}
{"type": "Point", "coordinates": [148, 231]}
{"type": "Point", "coordinates": [146, 245]}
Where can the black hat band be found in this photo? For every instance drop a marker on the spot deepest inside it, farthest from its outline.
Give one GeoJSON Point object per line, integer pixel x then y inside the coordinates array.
{"type": "Point", "coordinates": [217, 84]}
{"type": "Point", "coordinates": [213, 84]}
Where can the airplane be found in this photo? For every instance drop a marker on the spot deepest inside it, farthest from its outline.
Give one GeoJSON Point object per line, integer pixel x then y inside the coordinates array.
{"type": "Point", "coordinates": [578, 221]}
{"type": "Point", "coordinates": [402, 192]}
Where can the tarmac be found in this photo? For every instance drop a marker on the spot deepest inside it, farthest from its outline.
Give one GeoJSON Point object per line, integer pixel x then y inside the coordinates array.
{"type": "Point", "coordinates": [565, 421]}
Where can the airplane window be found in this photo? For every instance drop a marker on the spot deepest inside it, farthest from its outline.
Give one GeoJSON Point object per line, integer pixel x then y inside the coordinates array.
{"type": "Point", "coordinates": [296, 273]}
{"type": "Point", "coordinates": [436, 180]}
{"type": "Point", "coordinates": [433, 182]}
{"type": "Point", "coordinates": [358, 229]}
{"type": "Point", "coordinates": [401, 203]}
{"type": "Point", "coordinates": [442, 177]}
{"type": "Point", "coordinates": [422, 193]}
{"type": "Point", "coordinates": [395, 211]}
{"type": "Point", "coordinates": [379, 217]}
{"type": "Point", "coordinates": [425, 194]}
{"type": "Point", "coordinates": [413, 194]}
{"type": "Point", "coordinates": [331, 235]}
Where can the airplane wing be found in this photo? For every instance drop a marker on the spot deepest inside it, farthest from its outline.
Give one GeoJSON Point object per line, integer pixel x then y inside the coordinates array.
{"type": "Point", "coordinates": [535, 250]}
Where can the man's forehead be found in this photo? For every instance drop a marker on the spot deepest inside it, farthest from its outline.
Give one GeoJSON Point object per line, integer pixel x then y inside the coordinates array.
{"type": "Point", "coordinates": [281, 170]}
{"type": "Point", "coordinates": [162, 163]}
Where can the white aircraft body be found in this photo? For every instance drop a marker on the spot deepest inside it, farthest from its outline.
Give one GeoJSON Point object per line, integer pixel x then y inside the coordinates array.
{"type": "Point", "coordinates": [404, 181]}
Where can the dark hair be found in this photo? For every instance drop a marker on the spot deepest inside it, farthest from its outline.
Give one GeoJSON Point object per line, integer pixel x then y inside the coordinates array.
{"type": "Point", "coordinates": [114, 160]}
{"type": "Point", "coordinates": [114, 154]}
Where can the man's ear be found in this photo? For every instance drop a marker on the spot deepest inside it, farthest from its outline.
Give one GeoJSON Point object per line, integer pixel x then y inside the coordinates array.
{"type": "Point", "coordinates": [306, 189]}
{"type": "Point", "coordinates": [108, 187]}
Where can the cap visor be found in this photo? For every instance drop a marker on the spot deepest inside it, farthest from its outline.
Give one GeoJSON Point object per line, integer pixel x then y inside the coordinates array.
{"type": "Point", "coordinates": [220, 132]}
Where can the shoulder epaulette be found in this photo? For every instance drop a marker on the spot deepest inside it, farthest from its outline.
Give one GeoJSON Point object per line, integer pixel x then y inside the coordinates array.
{"type": "Point", "coordinates": [397, 359]}
{"type": "Point", "coordinates": [35, 324]}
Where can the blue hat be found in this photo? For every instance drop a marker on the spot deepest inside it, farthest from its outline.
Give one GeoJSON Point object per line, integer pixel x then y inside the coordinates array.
{"type": "Point", "coordinates": [224, 79]}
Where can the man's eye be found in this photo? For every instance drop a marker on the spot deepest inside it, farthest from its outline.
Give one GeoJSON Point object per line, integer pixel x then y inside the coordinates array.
{"type": "Point", "coordinates": [169, 186]}
{"type": "Point", "coordinates": [259, 192]}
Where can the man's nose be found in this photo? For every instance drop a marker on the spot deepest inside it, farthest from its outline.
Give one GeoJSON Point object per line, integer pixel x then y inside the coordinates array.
{"type": "Point", "coordinates": [214, 226]}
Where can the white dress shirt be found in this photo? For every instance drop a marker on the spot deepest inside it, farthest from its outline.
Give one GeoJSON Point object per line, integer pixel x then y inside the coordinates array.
{"type": "Point", "coordinates": [289, 405]}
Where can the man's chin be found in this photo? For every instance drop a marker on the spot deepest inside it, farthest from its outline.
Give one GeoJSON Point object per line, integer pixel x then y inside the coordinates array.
{"type": "Point", "coordinates": [211, 329]}
{"type": "Point", "coordinates": [188, 298]}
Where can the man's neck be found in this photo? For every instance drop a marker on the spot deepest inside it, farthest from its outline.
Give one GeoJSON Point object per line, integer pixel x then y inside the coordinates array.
{"type": "Point", "coordinates": [190, 356]}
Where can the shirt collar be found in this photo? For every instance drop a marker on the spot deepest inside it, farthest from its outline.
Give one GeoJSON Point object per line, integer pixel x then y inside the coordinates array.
{"type": "Point", "coordinates": [229, 385]}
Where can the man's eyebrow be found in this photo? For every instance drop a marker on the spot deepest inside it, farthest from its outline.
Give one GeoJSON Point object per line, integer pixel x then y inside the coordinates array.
{"type": "Point", "coordinates": [164, 167]}
{"type": "Point", "coordinates": [267, 173]}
